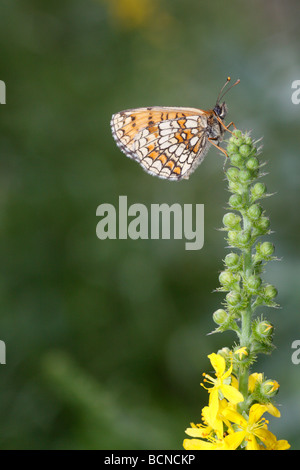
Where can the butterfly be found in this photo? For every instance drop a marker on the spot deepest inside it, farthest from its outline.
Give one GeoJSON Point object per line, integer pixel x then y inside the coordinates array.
{"type": "Point", "coordinates": [170, 142]}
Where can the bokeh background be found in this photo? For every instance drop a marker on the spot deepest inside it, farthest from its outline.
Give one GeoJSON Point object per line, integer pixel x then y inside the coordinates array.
{"type": "Point", "coordinates": [107, 340]}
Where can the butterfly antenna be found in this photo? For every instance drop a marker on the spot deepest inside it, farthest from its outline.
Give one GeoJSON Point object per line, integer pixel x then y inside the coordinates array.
{"type": "Point", "coordinates": [220, 96]}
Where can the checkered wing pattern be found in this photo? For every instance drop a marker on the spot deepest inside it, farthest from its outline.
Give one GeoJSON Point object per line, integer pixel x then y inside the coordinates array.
{"type": "Point", "coordinates": [167, 142]}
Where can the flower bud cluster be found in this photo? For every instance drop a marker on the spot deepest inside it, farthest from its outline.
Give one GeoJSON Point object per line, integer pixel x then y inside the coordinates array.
{"type": "Point", "coordinates": [245, 223]}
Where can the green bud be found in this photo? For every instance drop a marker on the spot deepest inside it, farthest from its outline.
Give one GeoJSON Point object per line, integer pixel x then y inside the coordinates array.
{"type": "Point", "coordinates": [232, 260]}
{"type": "Point", "coordinates": [220, 316]}
{"type": "Point", "coordinates": [254, 211]}
{"type": "Point", "coordinates": [245, 150]}
{"type": "Point", "coordinates": [266, 250]}
{"type": "Point", "coordinates": [262, 224]}
{"type": "Point", "coordinates": [252, 163]}
{"type": "Point", "coordinates": [260, 227]}
{"type": "Point", "coordinates": [269, 292]}
{"type": "Point", "coordinates": [232, 174]}
{"type": "Point", "coordinates": [232, 220]}
{"type": "Point", "coordinates": [238, 141]}
{"type": "Point", "coordinates": [264, 330]}
{"type": "Point", "coordinates": [226, 278]}
{"type": "Point", "coordinates": [245, 176]}
{"type": "Point", "coordinates": [233, 298]}
{"type": "Point", "coordinates": [243, 239]}
{"type": "Point", "coordinates": [232, 237]}
{"type": "Point", "coordinates": [253, 283]}
{"type": "Point", "coordinates": [236, 201]}
{"type": "Point", "coordinates": [258, 190]}
{"type": "Point", "coordinates": [232, 148]}
{"type": "Point", "coordinates": [236, 133]}
{"type": "Point", "coordinates": [269, 388]}
{"type": "Point", "coordinates": [235, 187]}
{"type": "Point", "coordinates": [236, 159]}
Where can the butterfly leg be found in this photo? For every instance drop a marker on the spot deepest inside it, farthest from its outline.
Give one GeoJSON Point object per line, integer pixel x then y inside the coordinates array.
{"type": "Point", "coordinates": [231, 124]}
{"type": "Point", "coordinates": [219, 148]}
{"type": "Point", "coordinates": [211, 140]}
{"type": "Point", "coordinates": [226, 127]}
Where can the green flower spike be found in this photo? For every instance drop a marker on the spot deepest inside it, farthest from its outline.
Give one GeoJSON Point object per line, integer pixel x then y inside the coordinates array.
{"type": "Point", "coordinates": [238, 399]}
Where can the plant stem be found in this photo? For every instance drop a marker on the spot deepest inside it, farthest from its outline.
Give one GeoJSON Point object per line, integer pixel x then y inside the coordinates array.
{"type": "Point", "coordinates": [245, 337]}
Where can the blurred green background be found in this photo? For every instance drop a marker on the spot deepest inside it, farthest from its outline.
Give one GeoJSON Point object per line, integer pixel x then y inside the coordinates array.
{"type": "Point", "coordinates": [107, 340]}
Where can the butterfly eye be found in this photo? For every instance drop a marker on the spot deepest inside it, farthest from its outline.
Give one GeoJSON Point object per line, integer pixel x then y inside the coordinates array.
{"type": "Point", "coordinates": [223, 110]}
{"type": "Point", "coordinates": [218, 110]}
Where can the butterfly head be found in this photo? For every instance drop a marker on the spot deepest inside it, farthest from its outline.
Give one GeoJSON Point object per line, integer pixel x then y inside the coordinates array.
{"type": "Point", "coordinates": [221, 109]}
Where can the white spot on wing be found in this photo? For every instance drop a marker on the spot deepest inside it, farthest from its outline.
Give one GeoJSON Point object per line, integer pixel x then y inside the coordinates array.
{"type": "Point", "coordinates": [191, 123]}
{"type": "Point", "coordinates": [193, 141]}
{"type": "Point", "coordinates": [173, 148]}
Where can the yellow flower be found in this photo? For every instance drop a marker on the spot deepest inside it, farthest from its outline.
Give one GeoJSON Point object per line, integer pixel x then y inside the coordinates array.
{"type": "Point", "coordinates": [252, 430]}
{"type": "Point", "coordinates": [227, 443]}
{"type": "Point", "coordinates": [282, 444]}
{"type": "Point", "coordinates": [212, 426]}
{"type": "Point", "coordinates": [267, 326]}
{"type": "Point", "coordinates": [272, 387]}
{"type": "Point", "coordinates": [199, 430]}
{"type": "Point", "coordinates": [220, 385]}
{"type": "Point", "coordinates": [241, 352]}
{"type": "Point", "coordinates": [253, 379]}
{"type": "Point", "coordinates": [216, 423]}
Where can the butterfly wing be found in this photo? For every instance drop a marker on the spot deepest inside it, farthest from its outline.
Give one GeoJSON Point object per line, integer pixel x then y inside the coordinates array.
{"type": "Point", "coordinates": [167, 142]}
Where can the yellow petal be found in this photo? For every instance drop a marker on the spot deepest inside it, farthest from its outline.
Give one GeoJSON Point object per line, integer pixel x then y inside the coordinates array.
{"type": "Point", "coordinates": [232, 394]}
{"type": "Point", "coordinates": [234, 382]}
{"type": "Point", "coordinates": [256, 412]}
{"type": "Point", "coordinates": [218, 363]}
{"type": "Point", "coordinates": [253, 379]}
{"type": "Point", "coordinates": [198, 432]}
{"type": "Point", "coordinates": [241, 352]}
{"type": "Point", "coordinates": [214, 403]}
{"type": "Point", "coordinates": [228, 373]}
{"type": "Point", "coordinates": [273, 384]}
{"type": "Point", "coordinates": [252, 443]}
{"type": "Point", "coordinates": [282, 445]}
{"type": "Point", "coordinates": [266, 437]}
{"type": "Point", "coordinates": [234, 440]}
{"type": "Point", "coordinates": [214, 423]}
{"type": "Point", "coordinates": [197, 444]}
{"type": "Point", "coordinates": [273, 410]}
{"type": "Point", "coordinates": [235, 417]}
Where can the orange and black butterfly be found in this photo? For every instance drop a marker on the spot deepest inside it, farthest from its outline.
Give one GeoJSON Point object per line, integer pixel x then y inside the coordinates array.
{"type": "Point", "coordinates": [170, 142]}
